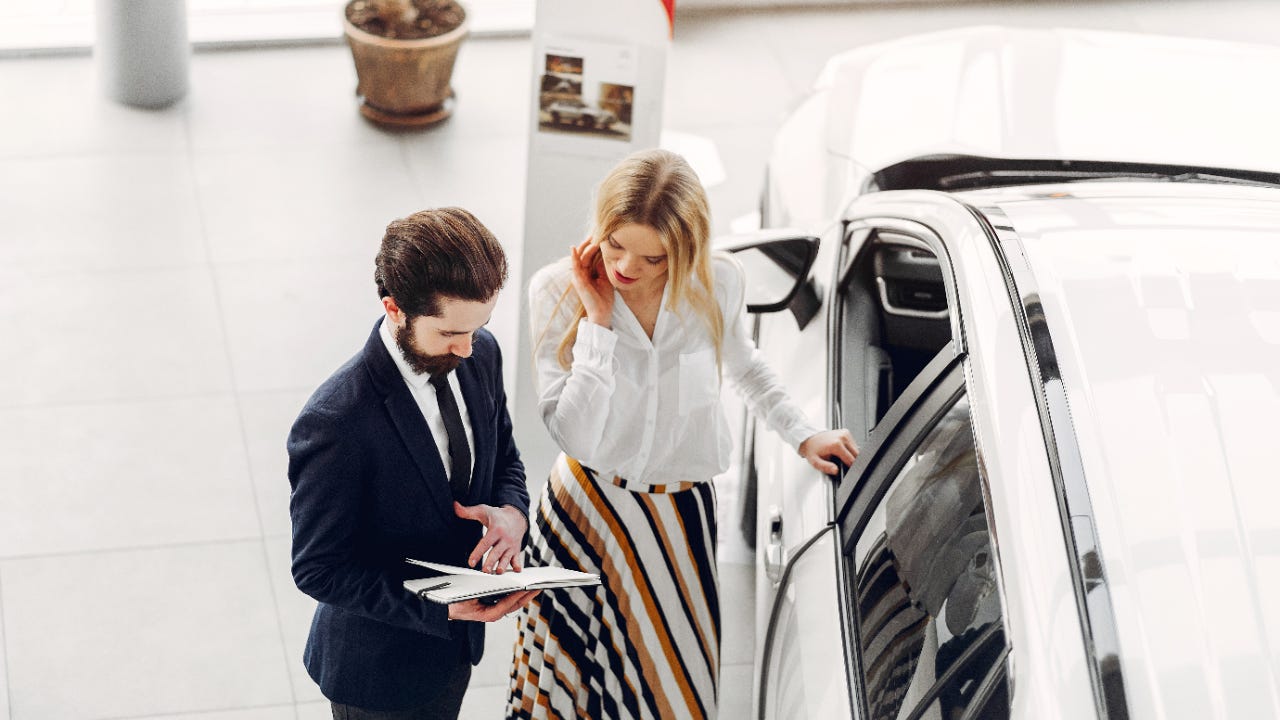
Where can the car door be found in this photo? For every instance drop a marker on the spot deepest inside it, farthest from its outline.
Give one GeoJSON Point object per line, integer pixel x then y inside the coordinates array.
{"type": "Point", "coordinates": [923, 616]}
{"type": "Point", "coordinates": [789, 501]}
{"type": "Point", "coordinates": [921, 638]}
{"type": "Point", "coordinates": [777, 266]}
{"type": "Point", "coordinates": [803, 665]}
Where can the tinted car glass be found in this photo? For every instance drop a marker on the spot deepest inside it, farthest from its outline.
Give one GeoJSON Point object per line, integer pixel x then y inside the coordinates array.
{"type": "Point", "coordinates": [926, 603]}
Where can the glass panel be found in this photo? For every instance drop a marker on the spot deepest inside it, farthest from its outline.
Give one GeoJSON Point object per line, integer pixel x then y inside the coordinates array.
{"type": "Point", "coordinates": [806, 673]}
{"type": "Point", "coordinates": [925, 584]}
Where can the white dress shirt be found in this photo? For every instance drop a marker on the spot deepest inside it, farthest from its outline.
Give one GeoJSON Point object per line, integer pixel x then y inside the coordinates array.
{"type": "Point", "coordinates": [425, 396]}
{"type": "Point", "coordinates": [649, 411]}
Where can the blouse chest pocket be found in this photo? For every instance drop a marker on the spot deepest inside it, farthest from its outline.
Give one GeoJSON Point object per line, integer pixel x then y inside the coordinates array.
{"type": "Point", "coordinates": [699, 380]}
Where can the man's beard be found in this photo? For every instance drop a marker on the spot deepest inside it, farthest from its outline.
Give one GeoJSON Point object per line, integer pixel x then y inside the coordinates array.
{"type": "Point", "coordinates": [422, 363]}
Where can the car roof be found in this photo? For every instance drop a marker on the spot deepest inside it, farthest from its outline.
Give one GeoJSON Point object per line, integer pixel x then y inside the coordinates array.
{"type": "Point", "coordinates": [1055, 94]}
{"type": "Point", "coordinates": [1163, 304]}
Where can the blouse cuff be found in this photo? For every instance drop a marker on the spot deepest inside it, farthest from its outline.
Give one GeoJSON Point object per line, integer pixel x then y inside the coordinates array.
{"type": "Point", "coordinates": [796, 430]}
{"type": "Point", "coordinates": [594, 344]}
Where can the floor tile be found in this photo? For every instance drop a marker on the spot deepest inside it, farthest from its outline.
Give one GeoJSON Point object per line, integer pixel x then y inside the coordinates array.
{"type": "Point", "coordinates": [176, 468]}
{"type": "Point", "coordinates": [267, 418]}
{"type": "Point", "coordinates": [499, 645]}
{"type": "Point", "coordinates": [76, 338]}
{"type": "Point", "coordinates": [493, 82]}
{"type": "Point", "coordinates": [735, 691]}
{"type": "Point", "coordinates": [321, 710]}
{"type": "Point", "coordinates": [484, 702]}
{"type": "Point", "coordinates": [488, 179]}
{"type": "Point", "coordinates": [737, 613]}
{"type": "Point", "coordinates": [98, 212]}
{"type": "Point", "coordinates": [291, 324]}
{"type": "Point", "coordinates": [56, 107]}
{"type": "Point", "coordinates": [279, 712]}
{"type": "Point", "coordinates": [505, 325]}
{"type": "Point", "coordinates": [276, 99]}
{"type": "Point", "coordinates": [294, 203]}
{"type": "Point", "coordinates": [142, 632]}
{"type": "Point", "coordinates": [294, 610]}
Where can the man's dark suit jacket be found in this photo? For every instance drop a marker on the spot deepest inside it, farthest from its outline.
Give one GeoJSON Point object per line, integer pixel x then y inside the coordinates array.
{"type": "Point", "coordinates": [369, 490]}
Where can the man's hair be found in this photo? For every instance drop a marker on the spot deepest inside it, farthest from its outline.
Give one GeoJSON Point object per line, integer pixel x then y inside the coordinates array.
{"type": "Point", "coordinates": [433, 253]}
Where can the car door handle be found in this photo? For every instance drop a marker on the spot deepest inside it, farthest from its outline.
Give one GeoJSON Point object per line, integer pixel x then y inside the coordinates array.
{"type": "Point", "coordinates": [773, 555]}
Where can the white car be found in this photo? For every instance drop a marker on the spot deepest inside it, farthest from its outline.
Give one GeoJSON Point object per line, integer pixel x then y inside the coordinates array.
{"type": "Point", "coordinates": [577, 112]}
{"type": "Point", "coordinates": [1037, 275]}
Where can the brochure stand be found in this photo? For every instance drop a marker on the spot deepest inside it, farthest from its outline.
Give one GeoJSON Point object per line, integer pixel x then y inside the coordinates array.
{"type": "Point", "coordinates": [599, 71]}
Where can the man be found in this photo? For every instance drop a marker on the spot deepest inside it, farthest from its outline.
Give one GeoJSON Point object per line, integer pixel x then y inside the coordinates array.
{"type": "Point", "coordinates": [406, 451]}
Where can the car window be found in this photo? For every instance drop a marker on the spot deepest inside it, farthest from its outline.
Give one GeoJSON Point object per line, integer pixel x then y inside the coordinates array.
{"type": "Point", "coordinates": [804, 675]}
{"type": "Point", "coordinates": [925, 598]}
{"type": "Point", "coordinates": [893, 319]}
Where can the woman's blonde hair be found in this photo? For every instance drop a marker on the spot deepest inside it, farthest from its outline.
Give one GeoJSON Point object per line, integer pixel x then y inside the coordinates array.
{"type": "Point", "coordinates": [657, 188]}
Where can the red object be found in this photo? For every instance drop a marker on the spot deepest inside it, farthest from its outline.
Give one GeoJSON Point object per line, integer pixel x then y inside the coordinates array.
{"type": "Point", "coordinates": [670, 5]}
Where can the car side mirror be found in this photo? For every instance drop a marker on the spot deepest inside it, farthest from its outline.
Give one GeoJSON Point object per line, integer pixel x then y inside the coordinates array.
{"type": "Point", "coordinates": [777, 264]}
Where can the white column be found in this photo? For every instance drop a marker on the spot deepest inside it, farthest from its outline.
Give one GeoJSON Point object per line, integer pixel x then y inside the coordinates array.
{"type": "Point", "coordinates": [589, 48]}
{"type": "Point", "coordinates": [142, 51]}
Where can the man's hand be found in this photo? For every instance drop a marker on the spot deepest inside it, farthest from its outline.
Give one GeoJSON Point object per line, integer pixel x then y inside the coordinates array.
{"type": "Point", "coordinates": [504, 529]}
{"type": "Point", "coordinates": [827, 444]}
{"type": "Point", "coordinates": [478, 611]}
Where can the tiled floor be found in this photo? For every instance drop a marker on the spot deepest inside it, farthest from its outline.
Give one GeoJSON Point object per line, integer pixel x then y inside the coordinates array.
{"type": "Point", "coordinates": [173, 284]}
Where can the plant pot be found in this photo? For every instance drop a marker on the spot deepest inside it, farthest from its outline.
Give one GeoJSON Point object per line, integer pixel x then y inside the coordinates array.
{"type": "Point", "coordinates": [404, 82]}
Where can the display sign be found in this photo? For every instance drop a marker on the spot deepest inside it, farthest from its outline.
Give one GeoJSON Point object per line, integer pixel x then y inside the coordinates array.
{"type": "Point", "coordinates": [597, 83]}
{"type": "Point", "coordinates": [585, 93]}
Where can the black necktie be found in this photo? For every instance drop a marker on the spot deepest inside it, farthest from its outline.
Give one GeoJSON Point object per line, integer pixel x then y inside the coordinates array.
{"type": "Point", "coordinates": [459, 453]}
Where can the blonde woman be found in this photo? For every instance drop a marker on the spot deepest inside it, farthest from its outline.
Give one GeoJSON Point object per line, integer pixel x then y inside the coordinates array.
{"type": "Point", "coordinates": [634, 332]}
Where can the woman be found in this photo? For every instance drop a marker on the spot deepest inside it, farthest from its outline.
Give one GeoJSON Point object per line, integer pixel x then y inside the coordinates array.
{"type": "Point", "coordinates": [634, 332]}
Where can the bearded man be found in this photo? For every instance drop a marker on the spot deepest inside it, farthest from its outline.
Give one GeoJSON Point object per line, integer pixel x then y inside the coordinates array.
{"type": "Point", "coordinates": [406, 451]}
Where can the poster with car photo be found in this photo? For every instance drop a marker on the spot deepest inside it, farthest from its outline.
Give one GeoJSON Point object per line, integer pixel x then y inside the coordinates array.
{"type": "Point", "coordinates": [586, 92]}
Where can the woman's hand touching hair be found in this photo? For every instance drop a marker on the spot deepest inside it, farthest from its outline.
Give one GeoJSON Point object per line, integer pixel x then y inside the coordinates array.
{"type": "Point", "coordinates": [591, 283]}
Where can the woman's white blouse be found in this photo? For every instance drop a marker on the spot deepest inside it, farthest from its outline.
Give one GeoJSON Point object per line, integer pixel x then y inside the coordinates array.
{"type": "Point", "coordinates": [646, 411]}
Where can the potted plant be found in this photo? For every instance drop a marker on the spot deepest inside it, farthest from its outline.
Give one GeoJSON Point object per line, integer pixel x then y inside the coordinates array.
{"type": "Point", "coordinates": [404, 52]}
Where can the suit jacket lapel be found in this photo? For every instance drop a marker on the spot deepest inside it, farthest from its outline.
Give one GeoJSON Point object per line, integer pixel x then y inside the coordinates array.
{"type": "Point", "coordinates": [410, 424]}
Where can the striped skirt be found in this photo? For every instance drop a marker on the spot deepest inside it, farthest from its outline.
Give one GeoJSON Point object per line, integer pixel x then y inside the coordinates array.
{"type": "Point", "coordinates": [646, 642]}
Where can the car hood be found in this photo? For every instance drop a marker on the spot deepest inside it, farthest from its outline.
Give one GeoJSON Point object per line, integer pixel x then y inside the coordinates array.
{"type": "Point", "coordinates": [1055, 94]}
{"type": "Point", "coordinates": [1163, 303]}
